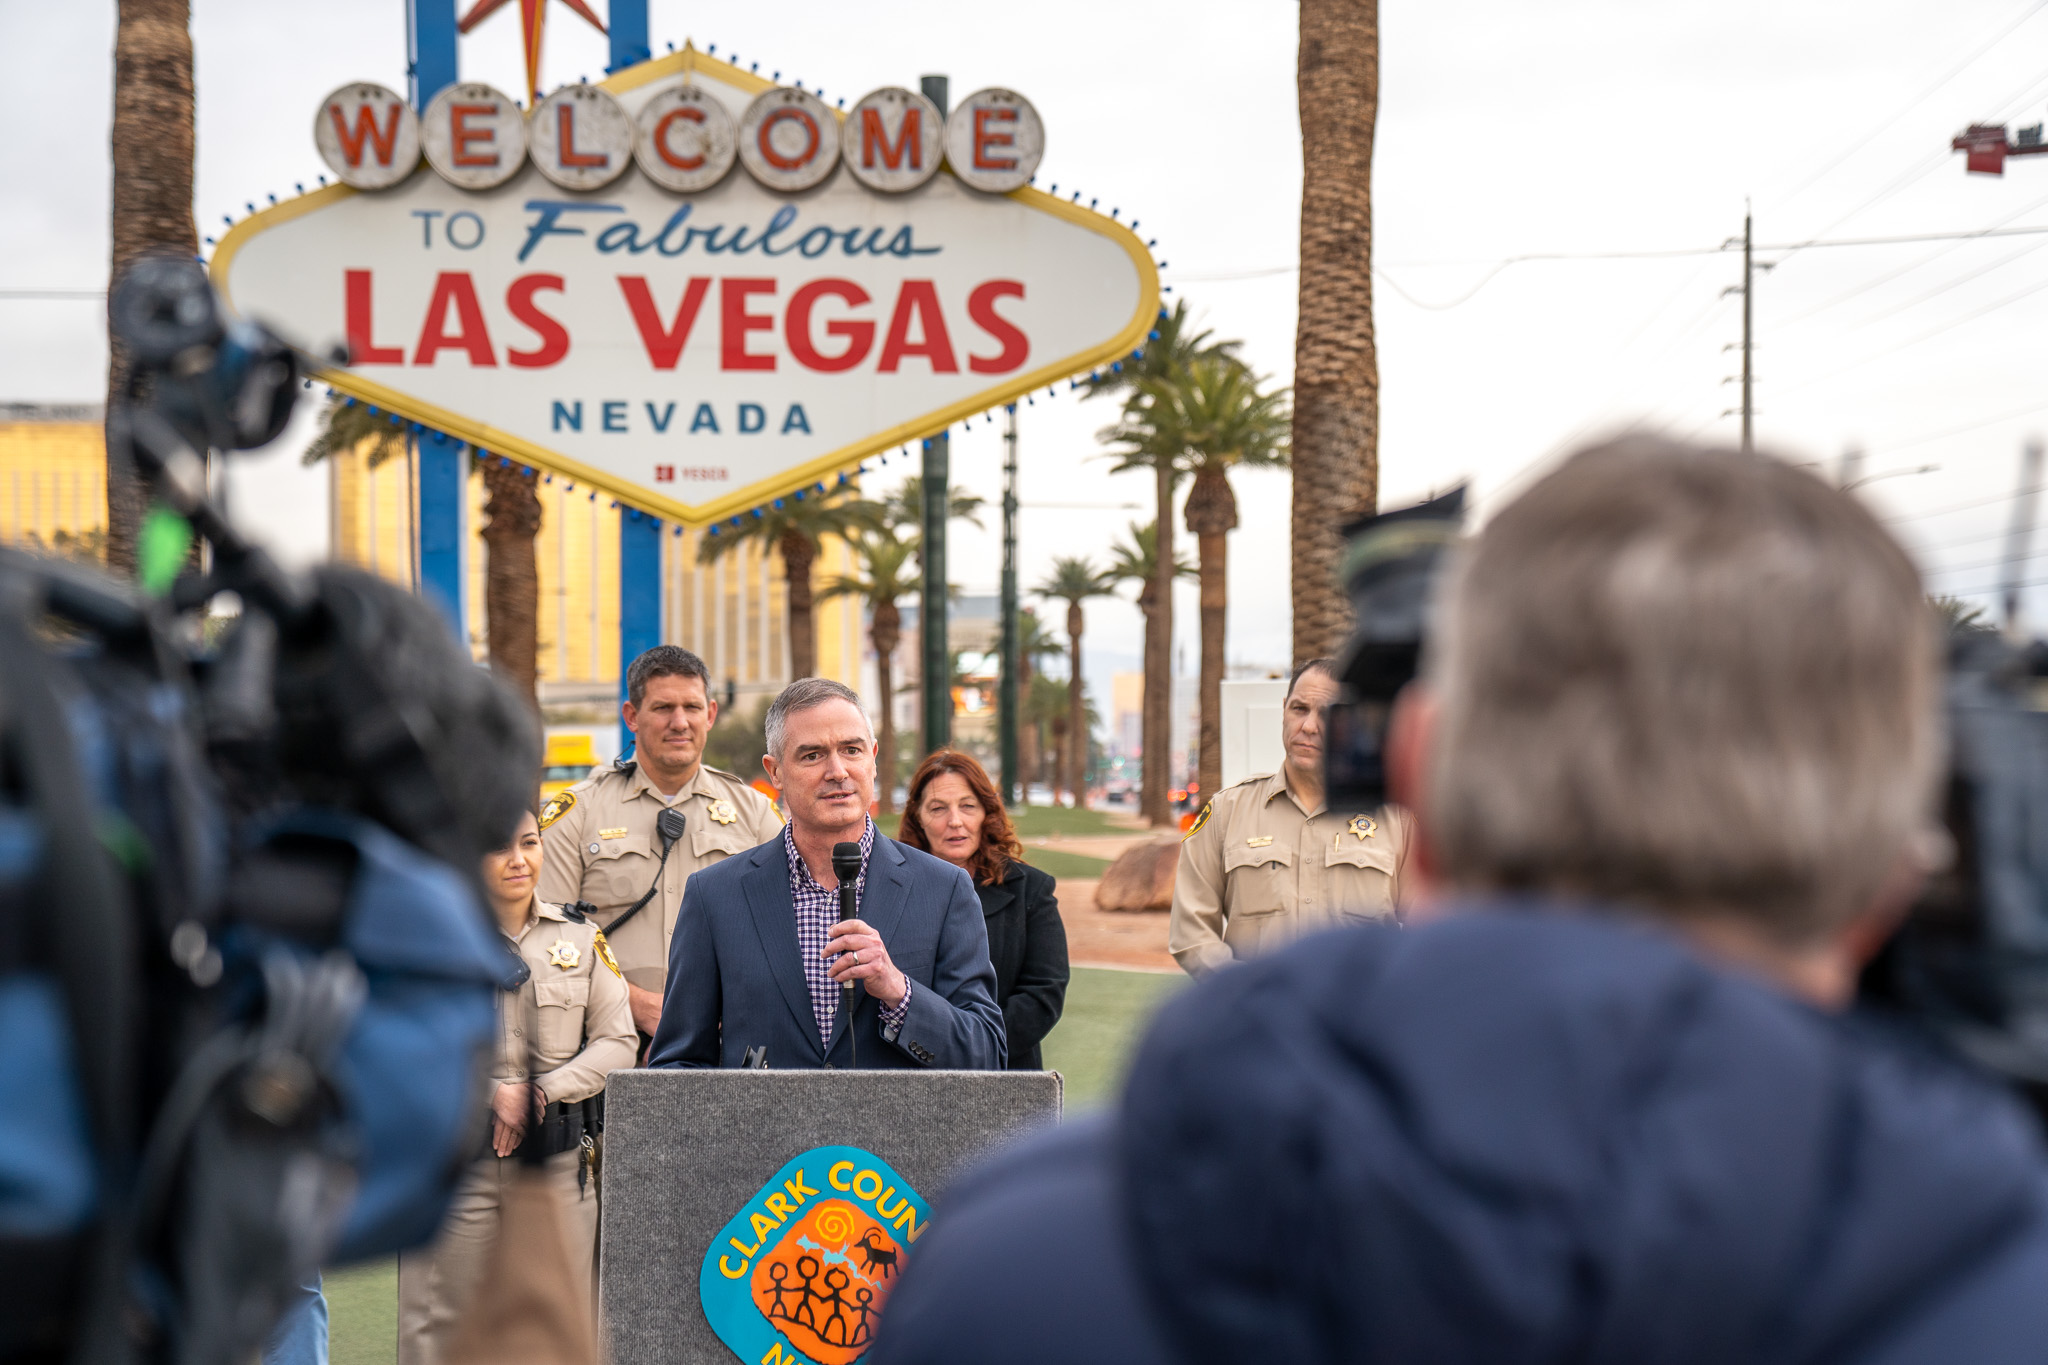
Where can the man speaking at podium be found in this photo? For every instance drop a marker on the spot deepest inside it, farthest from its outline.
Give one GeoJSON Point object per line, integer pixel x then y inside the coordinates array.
{"type": "Point", "coordinates": [762, 958]}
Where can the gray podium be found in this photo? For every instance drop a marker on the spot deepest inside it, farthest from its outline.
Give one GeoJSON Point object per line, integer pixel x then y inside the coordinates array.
{"type": "Point", "coordinates": [685, 1151]}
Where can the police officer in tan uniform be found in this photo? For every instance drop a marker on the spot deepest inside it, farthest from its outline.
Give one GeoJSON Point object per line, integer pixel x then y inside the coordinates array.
{"type": "Point", "coordinates": [603, 844]}
{"type": "Point", "coordinates": [1265, 863]}
{"type": "Point", "coordinates": [559, 1035]}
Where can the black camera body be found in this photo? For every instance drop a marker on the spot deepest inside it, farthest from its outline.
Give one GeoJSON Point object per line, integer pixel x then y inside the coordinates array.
{"type": "Point", "coordinates": [247, 979]}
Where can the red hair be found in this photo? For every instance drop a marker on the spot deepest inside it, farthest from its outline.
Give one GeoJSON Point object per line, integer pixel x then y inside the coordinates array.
{"type": "Point", "coordinates": [999, 844]}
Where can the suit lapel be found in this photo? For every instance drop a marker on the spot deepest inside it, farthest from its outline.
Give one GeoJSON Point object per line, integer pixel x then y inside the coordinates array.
{"type": "Point", "coordinates": [766, 887]}
{"type": "Point", "coordinates": [881, 907]}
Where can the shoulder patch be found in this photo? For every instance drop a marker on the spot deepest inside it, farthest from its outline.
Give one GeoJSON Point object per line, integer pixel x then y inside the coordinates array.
{"type": "Point", "coordinates": [559, 805]}
{"type": "Point", "coordinates": [604, 954]}
{"type": "Point", "coordinates": [1200, 820]}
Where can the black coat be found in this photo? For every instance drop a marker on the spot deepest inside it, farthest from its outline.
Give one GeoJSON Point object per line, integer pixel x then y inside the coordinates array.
{"type": "Point", "coordinates": [1541, 1135]}
{"type": "Point", "coordinates": [1028, 945]}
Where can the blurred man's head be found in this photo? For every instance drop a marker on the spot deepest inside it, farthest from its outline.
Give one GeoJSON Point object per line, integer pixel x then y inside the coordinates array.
{"type": "Point", "coordinates": [1700, 683]}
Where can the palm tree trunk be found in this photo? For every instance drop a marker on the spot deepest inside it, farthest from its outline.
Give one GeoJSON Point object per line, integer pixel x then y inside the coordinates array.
{"type": "Point", "coordinates": [152, 210]}
{"type": "Point", "coordinates": [1155, 774]}
{"type": "Point", "coordinates": [1211, 516]}
{"type": "Point", "coordinates": [1027, 731]}
{"type": "Point", "coordinates": [511, 581]}
{"type": "Point", "coordinates": [886, 632]}
{"type": "Point", "coordinates": [797, 556]}
{"type": "Point", "coordinates": [1077, 708]}
{"type": "Point", "coordinates": [1336, 364]}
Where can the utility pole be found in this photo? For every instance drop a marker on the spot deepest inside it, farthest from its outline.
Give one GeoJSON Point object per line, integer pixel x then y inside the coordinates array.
{"type": "Point", "coordinates": [1007, 686]}
{"type": "Point", "coordinates": [938, 673]}
{"type": "Point", "coordinates": [1750, 267]}
{"type": "Point", "coordinates": [1748, 333]}
{"type": "Point", "coordinates": [2022, 531]}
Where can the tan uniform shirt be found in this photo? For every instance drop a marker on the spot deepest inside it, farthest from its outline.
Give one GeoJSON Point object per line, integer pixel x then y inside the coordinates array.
{"type": "Point", "coordinates": [600, 846]}
{"type": "Point", "coordinates": [1258, 871]}
{"type": "Point", "coordinates": [570, 1021]}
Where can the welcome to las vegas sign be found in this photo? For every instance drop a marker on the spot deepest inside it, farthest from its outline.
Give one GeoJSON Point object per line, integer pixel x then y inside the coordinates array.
{"type": "Point", "coordinates": [595, 288]}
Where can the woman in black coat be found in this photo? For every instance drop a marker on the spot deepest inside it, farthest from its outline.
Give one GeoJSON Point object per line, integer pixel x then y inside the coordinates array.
{"type": "Point", "coordinates": [954, 813]}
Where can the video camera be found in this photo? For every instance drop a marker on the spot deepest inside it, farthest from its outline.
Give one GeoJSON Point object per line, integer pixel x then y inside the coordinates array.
{"type": "Point", "coordinates": [247, 982]}
{"type": "Point", "coordinates": [1970, 962]}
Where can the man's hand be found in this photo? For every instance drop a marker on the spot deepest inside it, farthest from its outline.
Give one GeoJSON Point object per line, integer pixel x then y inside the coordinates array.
{"type": "Point", "coordinates": [513, 1107]}
{"type": "Point", "coordinates": [857, 953]}
{"type": "Point", "coordinates": [646, 1007]}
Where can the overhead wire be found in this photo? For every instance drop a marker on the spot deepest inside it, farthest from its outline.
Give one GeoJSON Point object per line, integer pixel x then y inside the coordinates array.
{"type": "Point", "coordinates": [1926, 94]}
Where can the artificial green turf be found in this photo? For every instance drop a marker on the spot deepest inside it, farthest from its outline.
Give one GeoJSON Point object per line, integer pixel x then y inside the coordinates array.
{"type": "Point", "coordinates": [362, 1314]}
{"type": "Point", "coordinates": [1063, 864]}
{"type": "Point", "coordinates": [1036, 822]}
{"type": "Point", "coordinates": [1105, 1014]}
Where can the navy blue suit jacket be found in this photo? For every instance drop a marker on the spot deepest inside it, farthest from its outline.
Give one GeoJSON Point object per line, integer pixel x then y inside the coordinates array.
{"type": "Point", "coordinates": [736, 981]}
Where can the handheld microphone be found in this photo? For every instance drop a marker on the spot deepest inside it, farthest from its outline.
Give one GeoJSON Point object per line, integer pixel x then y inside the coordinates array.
{"type": "Point", "coordinates": [846, 867]}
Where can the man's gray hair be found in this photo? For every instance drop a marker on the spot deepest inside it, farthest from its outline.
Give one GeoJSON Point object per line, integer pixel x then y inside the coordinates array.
{"type": "Point", "coordinates": [1689, 680]}
{"type": "Point", "coordinates": [802, 695]}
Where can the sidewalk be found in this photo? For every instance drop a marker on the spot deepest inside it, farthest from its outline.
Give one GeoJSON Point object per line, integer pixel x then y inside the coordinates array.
{"type": "Point", "coordinates": [1097, 938]}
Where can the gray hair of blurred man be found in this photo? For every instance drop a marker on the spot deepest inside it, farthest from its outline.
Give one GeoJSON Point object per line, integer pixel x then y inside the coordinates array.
{"type": "Point", "coordinates": [1688, 680]}
{"type": "Point", "coordinates": [802, 695]}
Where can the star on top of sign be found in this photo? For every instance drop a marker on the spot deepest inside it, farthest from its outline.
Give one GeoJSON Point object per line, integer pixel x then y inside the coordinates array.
{"type": "Point", "coordinates": [533, 17]}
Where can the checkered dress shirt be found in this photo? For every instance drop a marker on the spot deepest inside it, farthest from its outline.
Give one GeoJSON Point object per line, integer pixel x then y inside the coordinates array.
{"type": "Point", "coordinates": [817, 910]}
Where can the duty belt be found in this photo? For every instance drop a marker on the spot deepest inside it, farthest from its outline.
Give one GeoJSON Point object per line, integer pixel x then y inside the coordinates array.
{"type": "Point", "coordinates": [562, 1127]}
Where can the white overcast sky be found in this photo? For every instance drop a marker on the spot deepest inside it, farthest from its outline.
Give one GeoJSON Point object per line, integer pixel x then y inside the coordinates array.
{"type": "Point", "coordinates": [1506, 129]}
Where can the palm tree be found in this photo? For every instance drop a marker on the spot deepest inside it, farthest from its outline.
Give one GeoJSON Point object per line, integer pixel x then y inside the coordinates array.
{"type": "Point", "coordinates": [348, 425]}
{"type": "Point", "coordinates": [1034, 642]}
{"type": "Point", "coordinates": [1045, 711]}
{"type": "Point", "coordinates": [1172, 346]}
{"type": "Point", "coordinates": [905, 506]}
{"type": "Point", "coordinates": [1138, 560]}
{"type": "Point", "coordinates": [1223, 421]}
{"type": "Point", "coordinates": [1336, 363]}
{"type": "Point", "coordinates": [1149, 440]}
{"type": "Point", "coordinates": [885, 576]}
{"type": "Point", "coordinates": [513, 516]}
{"type": "Point", "coordinates": [1073, 580]}
{"type": "Point", "coordinates": [511, 579]}
{"type": "Point", "coordinates": [795, 525]}
{"type": "Point", "coordinates": [152, 142]}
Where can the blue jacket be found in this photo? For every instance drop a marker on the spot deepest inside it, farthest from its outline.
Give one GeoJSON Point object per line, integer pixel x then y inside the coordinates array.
{"type": "Point", "coordinates": [736, 981]}
{"type": "Point", "coordinates": [1502, 1138]}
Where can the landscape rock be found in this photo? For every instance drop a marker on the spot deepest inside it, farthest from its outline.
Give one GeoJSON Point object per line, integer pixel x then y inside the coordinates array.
{"type": "Point", "coordinates": [1141, 878]}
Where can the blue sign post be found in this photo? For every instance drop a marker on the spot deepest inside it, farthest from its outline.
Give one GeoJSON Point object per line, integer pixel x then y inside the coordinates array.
{"type": "Point", "coordinates": [639, 587]}
{"type": "Point", "coordinates": [628, 32]}
{"type": "Point", "coordinates": [442, 466]}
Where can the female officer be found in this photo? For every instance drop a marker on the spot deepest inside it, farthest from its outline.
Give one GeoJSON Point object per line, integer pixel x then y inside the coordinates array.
{"type": "Point", "coordinates": [559, 1035]}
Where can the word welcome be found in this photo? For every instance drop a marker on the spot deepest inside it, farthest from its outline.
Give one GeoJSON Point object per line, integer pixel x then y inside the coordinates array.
{"type": "Point", "coordinates": [917, 327]}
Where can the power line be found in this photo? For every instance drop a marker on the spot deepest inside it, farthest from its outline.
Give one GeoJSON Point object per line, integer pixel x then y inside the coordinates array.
{"type": "Point", "coordinates": [1954, 507]}
{"type": "Point", "coordinates": [1919, 99]}
{"type": "Point", "coordinates": [1906, 269]}
{"type": "Point", "coordinates": [1496, 266]}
